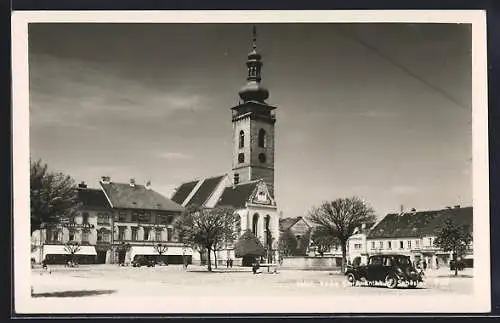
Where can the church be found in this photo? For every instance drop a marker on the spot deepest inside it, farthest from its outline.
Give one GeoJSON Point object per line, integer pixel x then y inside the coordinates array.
{"type": "Point", "coordinates": [249, 186]}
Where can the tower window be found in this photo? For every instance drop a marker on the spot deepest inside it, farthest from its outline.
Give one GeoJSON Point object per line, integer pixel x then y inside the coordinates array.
{"type": "Point", "coordinates": [262, 157]}
{"type": "Point", "coordinates": [262, 138]}
{"type": "Point", "coordinates": [241, 158]}
{"type": "Point", "coordinates": [255, 223]}
{"type": "Point", "coordinates": [242, 139]}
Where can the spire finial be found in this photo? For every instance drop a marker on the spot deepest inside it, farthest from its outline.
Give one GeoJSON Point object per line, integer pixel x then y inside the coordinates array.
{"type": "Point", "coordinates": [254, 32]}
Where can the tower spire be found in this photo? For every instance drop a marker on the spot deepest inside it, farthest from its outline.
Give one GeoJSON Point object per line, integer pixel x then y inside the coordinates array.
{"type": "Point", "coordinates": [253, 91]}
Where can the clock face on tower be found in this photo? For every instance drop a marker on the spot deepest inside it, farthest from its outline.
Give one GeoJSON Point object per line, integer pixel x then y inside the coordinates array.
{"type": "Point", "coordinates": [262, 157]}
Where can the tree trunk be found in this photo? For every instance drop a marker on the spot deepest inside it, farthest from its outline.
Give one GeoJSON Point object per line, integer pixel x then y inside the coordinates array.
{"type": "Point", "coordinates": [343, 245]}
{"type": "Point", "coordinates": [456, 269]}
{"type": "Point", "coordinates": [215, 258]}
{"type": "Point", "coordinates": [209, 264]}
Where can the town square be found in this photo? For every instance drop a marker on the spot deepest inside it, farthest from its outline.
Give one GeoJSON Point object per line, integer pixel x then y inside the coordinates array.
{"type": "Point", "coordinates": [251, 160]}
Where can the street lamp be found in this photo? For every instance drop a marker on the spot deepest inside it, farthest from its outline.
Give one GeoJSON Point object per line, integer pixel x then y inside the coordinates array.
{"type": "Point", "coordinates": [161, 248]}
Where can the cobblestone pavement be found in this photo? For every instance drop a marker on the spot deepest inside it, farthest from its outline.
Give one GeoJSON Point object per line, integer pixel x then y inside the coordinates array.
{"type": "Point", "coordinates": [109, 280]}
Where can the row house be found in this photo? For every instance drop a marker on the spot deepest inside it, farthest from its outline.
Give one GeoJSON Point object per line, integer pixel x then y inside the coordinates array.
{"type": "Point", "coordinates": [413, 234]}
{"type": "Point", "coordinates": [114, 224]}
{"type": "Point", "coordinates": [143, 223]}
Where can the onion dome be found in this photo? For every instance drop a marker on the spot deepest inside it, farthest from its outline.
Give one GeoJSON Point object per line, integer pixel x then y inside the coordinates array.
{"type": "Point", "coordinates": [253, 91]}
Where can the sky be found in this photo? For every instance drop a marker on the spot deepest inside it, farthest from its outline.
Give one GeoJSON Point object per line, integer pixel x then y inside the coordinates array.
{"type": "Point", "coordinates": [380, 111]}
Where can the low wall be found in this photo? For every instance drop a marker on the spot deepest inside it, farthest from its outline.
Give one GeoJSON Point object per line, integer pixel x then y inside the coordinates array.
{"type": "Point", "coordinates": [312, 263]}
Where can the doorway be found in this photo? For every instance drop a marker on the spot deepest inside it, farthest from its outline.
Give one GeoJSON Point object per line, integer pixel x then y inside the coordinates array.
{"type": "Point", "coordinates": [101, 257]}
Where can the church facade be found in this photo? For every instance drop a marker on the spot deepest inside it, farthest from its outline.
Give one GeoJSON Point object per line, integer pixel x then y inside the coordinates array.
{"type": "Point", "coordinates": [249, 186]}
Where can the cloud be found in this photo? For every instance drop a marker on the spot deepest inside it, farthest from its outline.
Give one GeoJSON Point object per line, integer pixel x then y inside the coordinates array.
{"type": "Point", "coordinates": [174, 155]}
{"type": "Point", "coordinates": [76, 93]}
{"type": "Point", "coordinates": [404, 189]}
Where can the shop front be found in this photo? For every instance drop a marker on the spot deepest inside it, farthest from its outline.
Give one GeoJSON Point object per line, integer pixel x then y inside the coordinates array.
{"type": "Point", "coordinates": [59, 255]}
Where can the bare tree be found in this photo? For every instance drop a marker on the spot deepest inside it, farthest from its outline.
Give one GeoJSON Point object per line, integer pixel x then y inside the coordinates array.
{"type": "Point", "coordinates": [53, 195]}
{"type": "Point", "coordinates": [323, 240]}
{"type": "Point", "coordinates": [206, 228]}
{"type": "Point", "coordinates": [161, 248]}
{"type": "Point", "coordinates": [72, 247]}
{"type": "Point", "coordinates": [340, 218]}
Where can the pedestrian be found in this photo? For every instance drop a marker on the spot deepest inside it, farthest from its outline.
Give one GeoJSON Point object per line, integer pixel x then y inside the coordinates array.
{"type": "Point", "coordinates": [230, 263]}
{"type": "Point", "coordinates": [437, 263]}
{"type": "Point", "coordinates": [425, 265]}
{"type": "Point", "coordinates": [227, 263]}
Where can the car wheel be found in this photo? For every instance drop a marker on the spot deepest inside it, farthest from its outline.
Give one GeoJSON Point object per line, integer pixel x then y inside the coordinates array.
{"type": "Point", "coordinates": [351, 279]}
{"type": "Point", "coordinates": [391, 281]}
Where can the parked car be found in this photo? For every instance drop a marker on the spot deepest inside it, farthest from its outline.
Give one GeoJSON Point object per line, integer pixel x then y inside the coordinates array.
{"type": "Point", "coordinates": [390, 270]}
{"type": "Point", "coordinates": [140, 261]}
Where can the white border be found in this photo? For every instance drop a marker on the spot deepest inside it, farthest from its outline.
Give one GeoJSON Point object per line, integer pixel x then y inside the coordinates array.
{"type": "Point", "coordinates": [479, 301]}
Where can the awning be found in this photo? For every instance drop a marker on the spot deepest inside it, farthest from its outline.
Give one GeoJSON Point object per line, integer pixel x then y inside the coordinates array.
{"type": "Point", "coordinates": [60, 250]}
{"type": "Point", "coordinates": [151, 251]}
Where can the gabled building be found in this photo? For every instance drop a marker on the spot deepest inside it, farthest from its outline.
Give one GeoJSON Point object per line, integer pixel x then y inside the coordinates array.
{"type": "Point", "coordinates": [301, 229]}
{"type": "Point", "coordinates": [413, 233]}
{"type": "Point", "coordinates": [142, 219]}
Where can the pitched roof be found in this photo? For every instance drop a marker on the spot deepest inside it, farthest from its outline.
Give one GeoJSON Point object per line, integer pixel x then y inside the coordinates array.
{"type": "Point", "coordinates": [287, 223]}
{"type": "Point", "coordinates": [237, 196]}
{"type": "Point", "coordinates": [92, 198]}
{"type": "Point", "coordinates": [182, 192]}
{"type": "Point", "coordinates": [205, 190]}
{"type": "Point", "coordinates": [122, 195]}
{"type": "Point", "coordinates": [418, 224]}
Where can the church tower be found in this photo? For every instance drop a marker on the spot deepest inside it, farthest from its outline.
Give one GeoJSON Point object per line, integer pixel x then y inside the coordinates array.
{"type": "Point", "coordinates": [253, 127]}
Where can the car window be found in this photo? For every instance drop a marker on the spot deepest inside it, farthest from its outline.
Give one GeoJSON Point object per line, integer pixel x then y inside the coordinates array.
{"type": "Point", "coordinates": [403, 261]}
{"type": "Point", "coordinates": [388, 261]}
{"type": "Point", "coordinates": [376, 261]}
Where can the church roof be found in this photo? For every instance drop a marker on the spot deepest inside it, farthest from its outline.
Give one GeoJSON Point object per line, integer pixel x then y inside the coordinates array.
{"type": "Point", "coordinates": [183, 191]}
{"type": "Point", "coordinates": [287, 223]}
{"type": "Point", "coordinates": [123, 195]}
{"type": "Point", "coordinates": [92, 198]}
{"type": "Point", "coordinates": [237, 196]}
{"type": "Point", "coordinates": [205, 190]}
{"type": "Point", "coordinates": [419, 224]}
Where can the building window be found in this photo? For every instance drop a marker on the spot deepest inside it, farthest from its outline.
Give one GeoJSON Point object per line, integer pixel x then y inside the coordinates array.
{"type": "Point", "coordinates": [255, 223]}
{"type": "Point", "coordinates": [134, 233]}
{"type": "Point", "coordinates": [146, 233]}
{"type": "Point", "coordinates": [158, 234]}
{"type": "Point", "coordinates": [170, 234]}
{"type": "Point", "coordinates": [122, 216]}
{"type": "Point", "coordinates": [357, 246]}
{"type": "Point", "coordinates": [373, 244]}
{"type": "Point", "coordinates": [241, 139]}
{"type": "Point", "coordinates": [381, 245]}
{"type": "Point", "coordinates": [262, 157]}
{"type": "Point", "coordinates": [102, 218]}
{"type": "Point", "coordinates": [417, 243]}
{"type": "Point", "coordinates": [71, 235]}
{"type": "Point", "coordinates": [85, 236]}
{"type": "Point", "coordinates": [409, 244]}
{"type": "Point", "coordinates": [262, 138]}
{"type": "Point", "coordinates": [401, 245]}
{"type": "Point", "coordinates": [134, 217]}
{"type": "Point", "coordinates": [85, 218]}
{"type": "Point", "coordinates": [121, 233]}
{"type": "Point", "coordinates": [241, 158]}
{"type": "Point", "coordinates": [389, 245]}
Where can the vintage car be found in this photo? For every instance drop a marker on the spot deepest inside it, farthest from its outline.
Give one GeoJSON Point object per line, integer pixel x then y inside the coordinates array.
{"type": "Point", "coordinates": [390, 270]}
{"type": "Point", "coordinates": [140, 261]}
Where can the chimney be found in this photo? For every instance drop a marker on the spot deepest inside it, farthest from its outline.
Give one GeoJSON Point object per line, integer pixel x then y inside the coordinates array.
{"type": "Point", "coordinates": [105, 179]}
{"type": "Point", "coordinates": [148, 185]}
{"type": "Point", "coordinates": [82, 185]}
{"type": "Point", "coordinates": [363, 226]}
{"type": "Point", "coordinates": [448, 207]}
{"type": "Point", "coordinates": [132, 182]}
{"type": "Point", "coordinates": [236, 179]}
{"type": "Point", "coordinates": [457, 206]}
{"type": "Point", "coordinates": [413, 210]}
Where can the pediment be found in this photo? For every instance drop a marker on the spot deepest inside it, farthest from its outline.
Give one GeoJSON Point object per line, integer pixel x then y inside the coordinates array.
{"type": "Point", "coordinates": [261, 195]}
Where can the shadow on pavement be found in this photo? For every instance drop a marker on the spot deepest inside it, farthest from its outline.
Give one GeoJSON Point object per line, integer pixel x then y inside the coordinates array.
{"type": "Point", "coordinates": [74, 293]}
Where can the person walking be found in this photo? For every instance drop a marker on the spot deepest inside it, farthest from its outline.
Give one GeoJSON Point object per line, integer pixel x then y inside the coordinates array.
{"type": "Point", "coordinates": [230, 263]}
{"type": "Point", "coordinates": [425, 265]}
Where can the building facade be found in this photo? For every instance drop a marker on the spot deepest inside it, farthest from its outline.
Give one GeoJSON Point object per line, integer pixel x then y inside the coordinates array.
{"type": "Point", "coordinates": [413, 234]}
